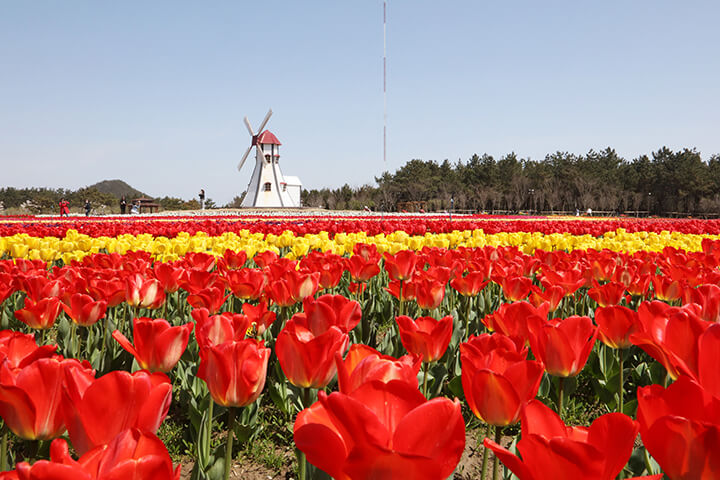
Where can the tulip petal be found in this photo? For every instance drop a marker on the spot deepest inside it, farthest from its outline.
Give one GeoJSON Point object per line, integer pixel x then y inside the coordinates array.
{"type": "Point", "coordinates": [435, 430]}
{"type": "Point", "coordinates": [709, 360]}
{"type": "Point", "coordinates": [496, 401]}
{"type": "Point", "coordinates": [509, 460]}
{"type": "Point", "coordinates": [18, 411]}
{"type": "Point", "coordinates": [538, 419]}
{"type": "Point", "coordinates": [323, 447]}
{"type": "Point", "coordinates": [373, 462]}
{"type": "Point", "coordinates": [613, 435]}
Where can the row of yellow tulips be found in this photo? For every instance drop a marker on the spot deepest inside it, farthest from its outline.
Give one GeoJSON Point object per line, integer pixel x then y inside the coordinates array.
{"type": "Point", "coordinates": [74, 246]}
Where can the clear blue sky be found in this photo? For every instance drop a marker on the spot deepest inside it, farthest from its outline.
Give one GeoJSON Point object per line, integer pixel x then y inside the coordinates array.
{"type": "Point", "coordinates": [154, 93]}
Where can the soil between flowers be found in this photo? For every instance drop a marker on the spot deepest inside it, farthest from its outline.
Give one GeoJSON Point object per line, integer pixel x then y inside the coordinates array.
{"type": "Point", "coordinates": [248, 469]}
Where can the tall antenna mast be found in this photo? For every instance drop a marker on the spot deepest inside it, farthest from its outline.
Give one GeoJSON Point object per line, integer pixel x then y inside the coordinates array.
{"type": "Point", "coordinates": [385, 82]}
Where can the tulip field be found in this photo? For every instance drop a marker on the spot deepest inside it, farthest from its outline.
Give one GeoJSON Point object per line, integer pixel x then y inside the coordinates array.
{"type": "Point", "coordinates": [365, 347]}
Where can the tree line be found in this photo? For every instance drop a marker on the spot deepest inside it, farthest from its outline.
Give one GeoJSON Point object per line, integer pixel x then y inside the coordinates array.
{"type": "Point", "coordinates": [45, 200]}
{"type": "Point", "coordinates": [664, 183]}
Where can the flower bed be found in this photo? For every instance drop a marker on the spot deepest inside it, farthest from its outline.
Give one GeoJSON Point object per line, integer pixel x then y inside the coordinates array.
{"type": "Point", "coordinates": [113, 334]}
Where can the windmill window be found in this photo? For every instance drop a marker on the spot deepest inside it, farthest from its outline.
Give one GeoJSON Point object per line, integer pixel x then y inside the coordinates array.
{"type": "Point", "coordinates": [267, 186]}
{"type": "Point", "coordinates": [267, 158]}
{"type": "Point", "coordinates": [284, 187]}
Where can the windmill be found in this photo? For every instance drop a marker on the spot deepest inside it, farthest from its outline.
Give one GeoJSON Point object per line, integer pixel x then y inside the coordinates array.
{"type": "Point", "coordinates": [268, 187]}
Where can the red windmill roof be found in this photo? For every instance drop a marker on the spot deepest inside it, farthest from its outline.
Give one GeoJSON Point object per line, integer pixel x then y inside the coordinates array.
{"type": "Point", "coordinates": [266, 137]}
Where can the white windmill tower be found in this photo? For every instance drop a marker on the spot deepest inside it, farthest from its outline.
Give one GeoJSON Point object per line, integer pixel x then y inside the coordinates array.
{"type": "Point", "coordinates": [268, 187]}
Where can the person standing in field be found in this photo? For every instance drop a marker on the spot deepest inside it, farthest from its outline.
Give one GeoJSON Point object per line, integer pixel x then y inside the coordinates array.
{"type": "Point", "coordinates": [87, 207]}
{"type": "Point", "coordinates": [202, 199]}
{"type": "Point", "coordinates": [64, 207]}
{"type": "Point", "coordinates": [123, 205]}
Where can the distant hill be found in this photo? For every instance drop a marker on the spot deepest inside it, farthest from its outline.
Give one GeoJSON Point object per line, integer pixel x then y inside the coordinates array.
{"type": "Point", "coordinates": [118, 188]}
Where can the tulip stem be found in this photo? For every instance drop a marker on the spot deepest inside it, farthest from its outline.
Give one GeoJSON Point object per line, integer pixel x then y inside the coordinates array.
{"type": "Point", "coordinates": [300, 455]}
{"type": "Point", "coordinates": [305, 397]}
{"type": "Point", "coordinates": [73, 339]}
{"type": "Point", "coordinates": [42, 336]}
{"type": "Point", "coordinates": [400, 300]}
{"type": "Point", "coordinates": [486, 451]}
{"type": "Point", "coordinates": [561, 385]}
{"type": "Point", "coordinates": [105, 328]}
{"type": "Point", "coordinates": [621, 380]}
{"type": "Point", "coordinates": [4, 449]}
{"type": "Point", "coordinates": [496, 460]}
{"type": "Point", "coordinates": [302, 464]}
{"type": "Point", "coordinates": [467, 317]}
{"type": "Point", "coordinates": [229, 447]}
{"type": "Point", "coordinates": [426, 367]}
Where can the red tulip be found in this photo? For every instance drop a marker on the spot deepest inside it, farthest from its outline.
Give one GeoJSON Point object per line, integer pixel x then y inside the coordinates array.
{"type": "Point", "coordinates": [278, 291]}
{"type": "Point", "coordinates": [357, 288]}
{"type": "Point", "coordinates": [246, 283]}
{"type": "Point", "coordinates": [39, 287]}
{"type": "Point", "coordinates": [680, 427]}
{"type": "Point", "coordinates": [158, 345]}
{"type": "Point", "coordinates": [469, 285]}
{"type": "Point", "coordinates": [40, 315]}
{"type": "Point", "coordinates": [400, 266]}
{"type": "Point", "coordinates": [361, 269]}
{"type": "Point", "coordinates": [199, 261]}
{"type": "Point", "coordinates": [363, 364]}
{"type": "Point", "coordinates": [263, 259]}
{"type": "Point", "coordinates": [637, 285]}
{"type": "Point", "coordinates": [708, 297]}
{"type": "Point", "coordinates": [570, 280]}
{"type": "Point", "coordinates": [666, 288]}
{"type": "Point", "coordinates": [110, 291]}
{"type": "Point", "coordinates": [260, 316]}
{"type": "Point", "coordinates": [7, 287]}
{"type": "Point", "coordinates": [216, 329]}
{"type": "Point", "coordinates": [195, 281]}
{"type": "Point", "coordinates": [511, 319]}
{"type": "Point", "coordinates": [234, 371]}
{"type": "Point", "coordinates": [671, 336]}
{"type": "Point", "coordinates": [367, 252]}
{"type": "Point", "coordinates": [293, 287]}
{"type": "Point", "coordinates": [438, 273]}
{"type": "Point", "coordinates": [550, 449]}
{"type": "Point", "coordinates": [616, 324]}
{"type": "Point", "coordinates": [515, 288]}
{"type": "Point", "coordinates": [20, 349]}
{"type": "Point", "coordinates": [84, 310]}
{"type": "Point", "coordinates": [169, 276]}
{"type": "Point", "coordinates": [356, 435]}
{"type": "Point", "coordinates": [497, 378]}
{"type": "Point", "coordinates": [408, 290]}
{"type": "Point", "coordinates": [330, 310]}
{"type": "Point", "coordinates": [96, 410]}
{"type": "Point", "coordinates": [131, 455]}
{"type": "Point", "coordinates": [142, 292]}
{"type": "Point", "coordinates": [232, 260]}
{"type": "Point", "coordinates": [328, 265]}
{"type": "Point", "coordinates": [30, 398]}
{"type": "Point", "coordinates": [211, 298]}
{"type": "Point", "coordinates": [552, 294]}
{"type": "Point", "coordinates": [306, 351]}
{"type": "Point", "coordinates": [429, 293]}
{"type": "Point", "coordinates": [608, 294]}
{"type": "Point", "coordinates": [425, 336]}
{"type": "Point", "coordinates": [563, 346]}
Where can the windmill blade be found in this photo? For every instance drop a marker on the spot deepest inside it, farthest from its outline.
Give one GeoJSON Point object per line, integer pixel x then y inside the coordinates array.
{"type": "Point", "coordinates": [264, 122]}
{"type": "Point", "coordinates": [242, 162]}
{"type": "Point", "coordinates": [247, 124]}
